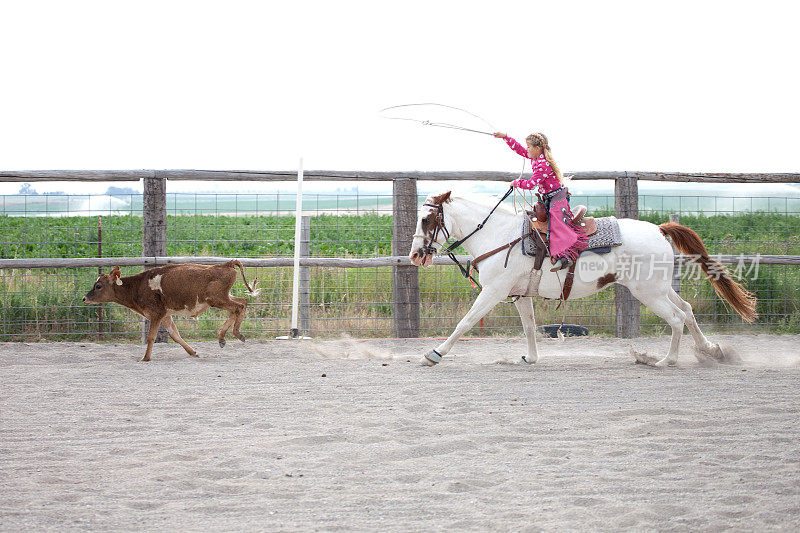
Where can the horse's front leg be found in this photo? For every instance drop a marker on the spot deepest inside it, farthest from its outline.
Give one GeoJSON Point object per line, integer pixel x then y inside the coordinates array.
{"type": "Point", "coordinates": [526, 314]}
{"type": "Point", "coordinates": [486, 300]}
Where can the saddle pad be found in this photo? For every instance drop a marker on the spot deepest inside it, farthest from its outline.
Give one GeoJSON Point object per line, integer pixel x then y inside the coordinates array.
{"type": "Point", "coordinates": [601, 241]}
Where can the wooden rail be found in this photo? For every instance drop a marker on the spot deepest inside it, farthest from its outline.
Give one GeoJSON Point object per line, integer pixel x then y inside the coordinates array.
{"type": "Point", "coordinates": [332, 262]}
{"type": "Point", "coordinates": [356, 175]}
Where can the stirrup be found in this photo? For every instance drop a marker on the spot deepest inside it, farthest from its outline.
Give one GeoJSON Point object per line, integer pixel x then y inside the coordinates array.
{"type": "Point", "coordinates": [562, 263]}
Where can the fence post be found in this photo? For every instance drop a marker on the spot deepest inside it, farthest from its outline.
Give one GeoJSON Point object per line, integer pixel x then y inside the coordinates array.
{"type": "Point", "coordinates": [304, 304]}
{"type": "Point", "coordinates": [405, 289]}
{"type": "Point", "coordinates": [676, 273]}
{"type": "Point", "coordinates": [154, 230]}
{"type": "Point", "coordinates": [99, 273]}
{"type": "Point", "coordinates": [626, 205]}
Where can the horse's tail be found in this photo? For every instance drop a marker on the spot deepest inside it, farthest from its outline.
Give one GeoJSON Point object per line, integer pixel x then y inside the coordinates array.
{"type": "Point", "coordinates": [688, 242]}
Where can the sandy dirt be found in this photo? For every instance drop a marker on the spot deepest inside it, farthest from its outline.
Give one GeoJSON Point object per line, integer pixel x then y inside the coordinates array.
{"type": "Point", "coordinates": [347, 435]}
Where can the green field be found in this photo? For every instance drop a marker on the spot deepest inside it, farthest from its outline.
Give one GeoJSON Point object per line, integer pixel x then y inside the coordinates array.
{"type": "Point", "coordinates": [364, 235]}
{"type": "Point", "coordinates": [275, 203]}
{"type": "Point", "coordinates": [45, 303]}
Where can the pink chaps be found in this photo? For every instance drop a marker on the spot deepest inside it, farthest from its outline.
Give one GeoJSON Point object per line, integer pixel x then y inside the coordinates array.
{"type": "Point", "coordinates": [566, 239]}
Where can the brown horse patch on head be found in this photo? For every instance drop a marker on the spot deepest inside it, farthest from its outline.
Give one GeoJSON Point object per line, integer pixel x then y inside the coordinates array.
{"type": "Point", "coordinates": [429, 222]}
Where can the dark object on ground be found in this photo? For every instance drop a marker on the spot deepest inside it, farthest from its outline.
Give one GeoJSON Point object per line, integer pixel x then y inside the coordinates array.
{"type": "Point", "coordinates": [569, 330]}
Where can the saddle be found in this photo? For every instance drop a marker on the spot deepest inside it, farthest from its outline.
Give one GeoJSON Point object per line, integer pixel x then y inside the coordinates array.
{"type": "Point", "coordinates": [538, 224]}
{"type": "Point", "coordinates": [602, 235]}
{"type": "Point", "coordinates": [539, 216]}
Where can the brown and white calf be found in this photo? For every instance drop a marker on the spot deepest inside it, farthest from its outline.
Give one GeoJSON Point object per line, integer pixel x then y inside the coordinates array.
{"type": "Point", "coordinates": [185, 290]}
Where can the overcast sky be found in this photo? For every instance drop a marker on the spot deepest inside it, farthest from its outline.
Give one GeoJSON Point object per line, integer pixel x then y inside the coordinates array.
{"type": "Point", "coordinates": [678, 86]}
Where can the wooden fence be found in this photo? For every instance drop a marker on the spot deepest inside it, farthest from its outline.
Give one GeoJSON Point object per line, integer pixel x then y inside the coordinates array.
{"type": "Point", "coordinates": [405, 291]}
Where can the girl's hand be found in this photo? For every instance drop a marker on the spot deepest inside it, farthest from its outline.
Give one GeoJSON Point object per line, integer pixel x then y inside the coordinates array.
{"type": "Point", "coordinates": [499, 135]}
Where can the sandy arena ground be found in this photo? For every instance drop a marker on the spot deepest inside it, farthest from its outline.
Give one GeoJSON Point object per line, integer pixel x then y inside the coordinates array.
{"type": "Point", "coordinates": [346, 435]}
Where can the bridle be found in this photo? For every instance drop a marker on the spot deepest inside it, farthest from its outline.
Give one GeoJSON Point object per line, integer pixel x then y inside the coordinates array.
{"type": "Point", "coordinates": [439, 226]}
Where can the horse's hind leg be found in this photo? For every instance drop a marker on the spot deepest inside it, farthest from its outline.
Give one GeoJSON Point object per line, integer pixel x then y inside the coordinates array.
{"type": "Point", "coordinates": [656, 297]}
{"type": "Point", "coordinates": [705, 351]}
{"type": "Point", "coordinates": [700, 340]}
{"type": "Point", "coordinates": [526, 314]}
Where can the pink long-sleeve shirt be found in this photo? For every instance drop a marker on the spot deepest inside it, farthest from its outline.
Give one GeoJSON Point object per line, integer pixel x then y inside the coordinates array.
{"type": "Point", "coordinates": [543, 176]}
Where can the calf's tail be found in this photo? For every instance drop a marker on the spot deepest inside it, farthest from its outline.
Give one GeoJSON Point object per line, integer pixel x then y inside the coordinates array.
{"type": "Point", "coordinates": [688, 242]}
{"type": "Point", "coordinates": [254, 291]}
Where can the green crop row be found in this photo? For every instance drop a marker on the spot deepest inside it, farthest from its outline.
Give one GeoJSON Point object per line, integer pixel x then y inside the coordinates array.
{"type": "Point", "coordinates": [331, 235]}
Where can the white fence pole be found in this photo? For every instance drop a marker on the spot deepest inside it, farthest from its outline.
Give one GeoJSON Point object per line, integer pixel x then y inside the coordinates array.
{"type": "Point", "coordinates": [298, 223]}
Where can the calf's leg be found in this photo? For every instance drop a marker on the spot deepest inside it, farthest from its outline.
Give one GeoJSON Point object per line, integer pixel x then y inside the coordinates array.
{"type": "Point", "coordinates": [224, 329]}
{"type": "Point", "coordinates": [151, 335]}
{"type": "Point", "coordinates": [239, 317]}
{"type": "Point", "coordinates": [234, 309]}
{"type": "Point", "coordinates": [169, 325]}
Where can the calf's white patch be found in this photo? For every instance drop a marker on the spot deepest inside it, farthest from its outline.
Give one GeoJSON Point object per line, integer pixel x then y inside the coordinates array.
{"type": "Point", "coordinates": [155, 283]}
{"type": "Point", "coordinates": [190, 312]}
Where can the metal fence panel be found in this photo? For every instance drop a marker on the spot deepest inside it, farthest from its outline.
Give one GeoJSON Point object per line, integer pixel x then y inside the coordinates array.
{"type": "Point", "coordinates": [46, 303]}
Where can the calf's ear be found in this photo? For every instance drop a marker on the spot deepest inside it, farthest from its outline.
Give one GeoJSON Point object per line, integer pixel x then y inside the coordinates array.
{"type": "Point", "coordinates": [115, 275]}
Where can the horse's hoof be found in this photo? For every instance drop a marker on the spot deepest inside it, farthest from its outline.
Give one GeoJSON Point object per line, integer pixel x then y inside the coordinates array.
{"type": "Point", "coordinates": [222, 343]}
{"type": "Point", "coordinates": [643, 358]}
{"type": "Point", "coordinates": [431, 358]}
{"type": "Point", "coordinates": [528, 360]}
{"type": "Point", "coordinates": [240, 337]}
{"type": "Point", "coordinates": [717, 354]}
{"type": "Point", "coordinates": [144, 359]}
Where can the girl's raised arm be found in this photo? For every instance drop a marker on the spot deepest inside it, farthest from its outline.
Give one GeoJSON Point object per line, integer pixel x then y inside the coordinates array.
{"type": "Point", "coordinates": [513, 144]}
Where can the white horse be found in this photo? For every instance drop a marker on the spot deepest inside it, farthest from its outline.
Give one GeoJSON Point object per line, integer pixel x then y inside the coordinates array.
{"type": "Point", "coordinates": [643, 263]}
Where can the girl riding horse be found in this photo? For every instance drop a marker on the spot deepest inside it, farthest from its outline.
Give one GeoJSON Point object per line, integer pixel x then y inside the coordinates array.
{"type": "Point", "coordinates": [566, 239]}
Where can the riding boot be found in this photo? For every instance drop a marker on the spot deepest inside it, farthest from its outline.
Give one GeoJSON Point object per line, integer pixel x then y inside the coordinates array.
{"type": "Point", "coordinates": [563, 262]}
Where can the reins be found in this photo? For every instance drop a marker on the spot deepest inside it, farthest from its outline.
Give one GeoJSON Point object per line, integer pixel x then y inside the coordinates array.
{"type": "Point", "coordinates": [509, 245]}
{"type": "Point", "coordinates": [466, 270]}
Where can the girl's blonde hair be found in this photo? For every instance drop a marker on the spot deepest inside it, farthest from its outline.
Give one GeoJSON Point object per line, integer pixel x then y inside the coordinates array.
{"type": "Point", "coordinates": [540, 139]}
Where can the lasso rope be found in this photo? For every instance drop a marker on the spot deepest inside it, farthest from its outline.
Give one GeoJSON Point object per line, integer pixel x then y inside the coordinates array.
{"type": "Point", "coordinates": [523, 199]}
{"type": "Point", "coordinates": [439, 124]}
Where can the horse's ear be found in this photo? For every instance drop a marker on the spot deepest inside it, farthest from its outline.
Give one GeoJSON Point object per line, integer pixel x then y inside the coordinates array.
{"type": "Point", "coordinates": [115, 275]}
{"type": "Point", "coordinates": [442, 198]}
